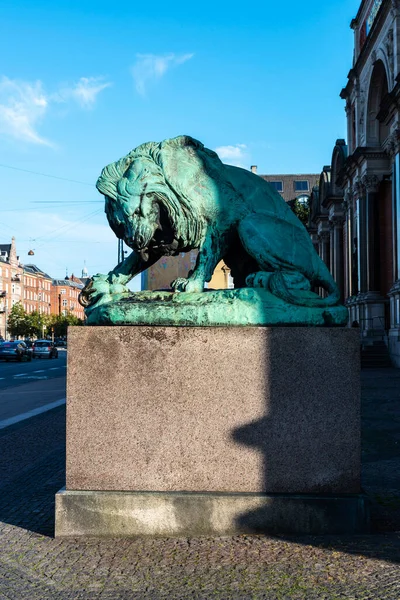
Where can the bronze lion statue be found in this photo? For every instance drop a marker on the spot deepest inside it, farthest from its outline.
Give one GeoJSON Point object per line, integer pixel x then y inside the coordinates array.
{"type": "Point", "coordinates": [175, 196]}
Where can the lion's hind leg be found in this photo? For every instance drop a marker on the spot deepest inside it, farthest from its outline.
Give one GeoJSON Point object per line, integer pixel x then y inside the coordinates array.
{"type": "Point", "coordinates": [267, 240]}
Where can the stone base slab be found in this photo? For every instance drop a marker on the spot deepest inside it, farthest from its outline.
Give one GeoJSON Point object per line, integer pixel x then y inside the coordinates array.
{"type": "Point", "coordinates": [189, 514]}
{"type": "Point", "coordinates": [216, 410]}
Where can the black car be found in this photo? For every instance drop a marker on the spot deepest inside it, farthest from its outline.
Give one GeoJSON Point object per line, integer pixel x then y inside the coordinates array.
{"type": "Point", "coordinates": [15, 351]}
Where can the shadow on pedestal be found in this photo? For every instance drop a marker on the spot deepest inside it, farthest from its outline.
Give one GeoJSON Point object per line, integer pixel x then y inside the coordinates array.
{"type": "Point", "coordinates": [309, 437]}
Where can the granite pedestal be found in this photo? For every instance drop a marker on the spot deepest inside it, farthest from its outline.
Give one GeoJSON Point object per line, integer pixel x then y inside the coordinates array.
{"type": "Point", "coordinates": [202, 431]}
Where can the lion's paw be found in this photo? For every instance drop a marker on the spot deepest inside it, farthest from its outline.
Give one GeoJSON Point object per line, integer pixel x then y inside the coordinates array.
{"type": "Point", "coordinates": [179, 284]}
{"type": "Point", "coordinates": [99, 290]}
{"type": "Point", "coordinates": [186, 285]}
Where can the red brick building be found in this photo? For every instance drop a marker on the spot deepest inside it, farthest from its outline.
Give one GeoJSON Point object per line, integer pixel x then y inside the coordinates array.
{"type": "Point", "coordinates": [36, 290]}
{"type": "Point", "coordinates": [64, 297]}
{"type": "Point", "coordinates": [10, 282]}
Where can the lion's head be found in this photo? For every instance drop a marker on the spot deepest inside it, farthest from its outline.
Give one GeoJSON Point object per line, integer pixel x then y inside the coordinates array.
{"type": "Point", "coordinates": [149, 196]}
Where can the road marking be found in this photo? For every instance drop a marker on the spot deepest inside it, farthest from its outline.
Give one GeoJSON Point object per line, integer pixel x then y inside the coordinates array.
{"type": "Point", "coordinates": [21, 375]}
{"type": "Point", "coordinates": [32, 413]}
{"type": "Point", "coordinates": [40, 371]}
{"type": "Point", "coordinates": [36, 377]}
{"type": "Point", "coordinates": [54, 368]}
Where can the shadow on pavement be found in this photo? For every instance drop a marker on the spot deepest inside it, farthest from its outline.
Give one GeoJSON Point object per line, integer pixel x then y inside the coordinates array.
{"type": "Point", "coordinates": [32, 470]}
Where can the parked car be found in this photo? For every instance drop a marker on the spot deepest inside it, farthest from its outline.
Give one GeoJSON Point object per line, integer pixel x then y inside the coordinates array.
{"type": "Point", "coordinates": [15, 351]}
{"type": "Point", "coordinates": [44, 349]}
{"type": "Point", "coordinates": [29, 345]}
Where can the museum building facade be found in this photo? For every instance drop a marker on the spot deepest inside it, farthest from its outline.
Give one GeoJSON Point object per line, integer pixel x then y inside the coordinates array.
{"type": "Point", "coordinates": [355, 210]}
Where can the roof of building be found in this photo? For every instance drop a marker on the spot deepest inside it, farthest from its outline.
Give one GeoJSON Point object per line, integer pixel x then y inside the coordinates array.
{"type": "Point", "coordinates": [5, 248]}
{"type": "Point", "coordinates": [34, 270]}
{"type": "Point", "coordinates": [67, 283]}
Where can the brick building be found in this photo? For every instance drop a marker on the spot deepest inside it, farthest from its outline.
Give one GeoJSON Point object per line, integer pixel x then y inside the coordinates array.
{"type": "Point", "coordinates": [64, 297]}
{"type": "Point", "coordinates": [11, 282]}
{"type": "Point", "coordinates": [355, 211]}
{"type": "Point", "coordinates": [36, 290]}
{"type": "Point", "coordinates": [292, 187]}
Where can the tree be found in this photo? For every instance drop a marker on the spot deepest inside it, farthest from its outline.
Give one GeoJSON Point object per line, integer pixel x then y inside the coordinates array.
{"type": "Point", "coordinates": [37, 323]}
{"type": "Point", "coordinates": [58, 324]}
{"type": "Point", "coordinates": [301, 209]}
{"type": "Point", "coordinates": [17, 322]}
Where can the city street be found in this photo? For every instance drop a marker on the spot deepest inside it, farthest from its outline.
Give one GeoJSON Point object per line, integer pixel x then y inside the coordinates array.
{"type": "Point", "coordinates": [27, 386]}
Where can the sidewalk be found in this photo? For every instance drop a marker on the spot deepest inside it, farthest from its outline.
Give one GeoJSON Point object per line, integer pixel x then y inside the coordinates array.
{"type": "Point", "coordinates": [35, 566]}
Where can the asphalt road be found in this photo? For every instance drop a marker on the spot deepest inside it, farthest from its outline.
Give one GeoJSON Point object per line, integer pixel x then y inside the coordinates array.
{"type": "Point", "coordinates": [29, 385]}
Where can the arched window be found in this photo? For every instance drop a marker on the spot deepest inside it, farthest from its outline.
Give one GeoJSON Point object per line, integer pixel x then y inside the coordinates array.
{"type": "Point", "coordinates": [377, 130]}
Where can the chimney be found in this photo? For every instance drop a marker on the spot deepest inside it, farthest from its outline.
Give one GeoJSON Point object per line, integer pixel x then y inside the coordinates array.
{"type": "Point", "coordinates": [253, 168]}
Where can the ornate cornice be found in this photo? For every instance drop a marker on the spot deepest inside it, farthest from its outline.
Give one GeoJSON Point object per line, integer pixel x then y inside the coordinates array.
{"type": "Point", "coordinates": [370, 182]}
{"type": "Point", "coordinates": [358, 189]}
{"type": "Point", "coordinates": [392, 144]}
{"type": "Point", "coordinates": [336, 221]}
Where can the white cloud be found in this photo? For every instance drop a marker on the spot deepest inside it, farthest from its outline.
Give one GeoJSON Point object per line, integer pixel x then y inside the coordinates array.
{"type": "Point", "coordinates": [151, 67]}
{"type": "Point", "coordinates": [22, 108]}
{"type": "Point", "coordinates": [236, 155]}
{"type": "Point", "coordinates": [84, 92]}
{"type": "Point", "coordinates": [24, 105]}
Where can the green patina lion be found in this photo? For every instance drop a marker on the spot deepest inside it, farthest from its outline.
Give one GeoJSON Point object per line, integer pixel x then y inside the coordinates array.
{"type": "Point", "coordinates": [175, 196]}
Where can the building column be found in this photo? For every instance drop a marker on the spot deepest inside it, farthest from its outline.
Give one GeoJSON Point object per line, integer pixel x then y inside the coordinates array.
{"type": "Point", "coordinates": [396, 216]}
{"type": "Point", "coordinates": [371, 183]}
{"type": "Point", "coordinates": [360, 217]}
{"type": "Point", "coordinates": [324, 253]}
{"type": "Point", "coordinates": [372, 303]}
{"type": "Point", "coordinates": [394, 294]}
{"type": "Point", "coordinates": [337, 252]}
{"type": "Point", "coordinates": [324, 241]}
{"type": "Point", "coordinates": [347, 248]}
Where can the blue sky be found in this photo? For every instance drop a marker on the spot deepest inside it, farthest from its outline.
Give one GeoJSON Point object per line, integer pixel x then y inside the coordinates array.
{"type": "Point", "coordinates": [84, 82]}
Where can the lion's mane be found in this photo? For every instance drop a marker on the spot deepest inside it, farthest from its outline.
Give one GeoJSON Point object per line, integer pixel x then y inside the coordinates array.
{"type": "Point", "coordinates": [182, 212]}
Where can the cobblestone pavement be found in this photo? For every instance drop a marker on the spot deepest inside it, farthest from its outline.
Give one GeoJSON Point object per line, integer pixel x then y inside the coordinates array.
{"type": "Point", "coordinates": [34, 565]}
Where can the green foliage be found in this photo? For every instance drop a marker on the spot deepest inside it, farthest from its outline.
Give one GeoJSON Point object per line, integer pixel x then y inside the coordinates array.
{"type": "Point", "coordinates": [58, 324]}
{"type": "Point", "coordinates": [35, 324]}
{"type": "Point", "coordinates": [17, 321]}
{"type": "Point", "coordinates": [301, 210]}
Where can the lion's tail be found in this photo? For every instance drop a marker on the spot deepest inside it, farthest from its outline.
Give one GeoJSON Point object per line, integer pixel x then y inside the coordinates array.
{"type": "Point", "coordinates": [278, 287]}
